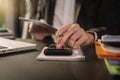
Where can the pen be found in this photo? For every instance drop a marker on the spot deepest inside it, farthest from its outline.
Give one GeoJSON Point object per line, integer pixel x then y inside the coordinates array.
{"type": "Point", "coordinates": [36, 22]}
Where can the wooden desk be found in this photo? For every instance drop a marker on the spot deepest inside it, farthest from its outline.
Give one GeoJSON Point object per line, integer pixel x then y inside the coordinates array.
{"type": "Point", "coordinates": [24, 66]}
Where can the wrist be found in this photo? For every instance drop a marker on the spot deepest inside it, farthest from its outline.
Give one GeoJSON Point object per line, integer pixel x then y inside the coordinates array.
{"type": "Point", "coordinates": [91, 38]}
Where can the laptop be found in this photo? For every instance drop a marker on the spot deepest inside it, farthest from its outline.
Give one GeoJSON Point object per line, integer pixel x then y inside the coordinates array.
{"type": "Point", "coordinates": [8, 46]}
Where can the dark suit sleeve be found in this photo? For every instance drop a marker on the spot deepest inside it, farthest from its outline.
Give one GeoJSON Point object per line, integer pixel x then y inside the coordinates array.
{"type": "Point", "coordinates": [101, 16]}
{"type": "Point", "coordinates": [100, 30]}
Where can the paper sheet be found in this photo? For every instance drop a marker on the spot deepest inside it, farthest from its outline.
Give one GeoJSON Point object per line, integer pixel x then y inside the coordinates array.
{"type": "Point", "coordinates": [109, 48]}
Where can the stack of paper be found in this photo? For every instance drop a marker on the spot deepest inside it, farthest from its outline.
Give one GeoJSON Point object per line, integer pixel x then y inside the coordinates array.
{"type": "Point", "coordinates": [107, 51]}
{"type": "Point", "coordinates": [108, 48]}
{"type": "Point", "coordinates": [111, 56]}
{"type": "Point", "coordinates": [110, 38]}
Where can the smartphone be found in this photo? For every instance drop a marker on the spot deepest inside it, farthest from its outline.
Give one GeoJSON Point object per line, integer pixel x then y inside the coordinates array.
{"type": "Point", "coordinates": [36, 22]}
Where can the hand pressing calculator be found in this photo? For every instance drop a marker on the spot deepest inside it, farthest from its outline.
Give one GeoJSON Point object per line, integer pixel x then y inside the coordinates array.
{"type": "Point", "coordinates": [53, 51]}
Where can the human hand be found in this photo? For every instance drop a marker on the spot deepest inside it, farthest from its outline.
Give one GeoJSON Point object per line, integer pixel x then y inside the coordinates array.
{"type": "Point", "coordinates": [73, 35]}
{"type": "Point", "coordinates": [39, 33]}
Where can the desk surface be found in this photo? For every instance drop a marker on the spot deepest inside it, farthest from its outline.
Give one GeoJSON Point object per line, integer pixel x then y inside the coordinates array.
{"type": "Point", "coordinates": [24, 66]}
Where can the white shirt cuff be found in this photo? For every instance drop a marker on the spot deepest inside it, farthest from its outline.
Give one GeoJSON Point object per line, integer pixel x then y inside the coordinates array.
{"type": "Point", "coordinates": [95, 34]}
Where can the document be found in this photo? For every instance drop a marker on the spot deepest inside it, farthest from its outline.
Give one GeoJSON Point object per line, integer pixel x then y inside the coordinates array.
{"type": "Point", "coordinates": [109, 48]}
{"type": "Point", "coordinates": [101, 53]}
{"type": "Point", "coordinates": [110, 38]}
{"type": "Point", "coordinates": [113, 40]}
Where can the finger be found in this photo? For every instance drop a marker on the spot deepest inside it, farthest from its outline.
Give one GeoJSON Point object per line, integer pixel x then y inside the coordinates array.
{"type": "Point", "coordinates": [30, 27]}
{"type": "Point", "coordinates": [60, 32]}
{"type": "Point", "coordinates": [43, 21]}
{"type": "Point", "coordinates": [68, 33]}
{"type": "Point", "coordinates": [39, 36]}
{"type": "Point", "coordinates": [80, 41]}
{"type": "Point", "coordinates": [74, 38]}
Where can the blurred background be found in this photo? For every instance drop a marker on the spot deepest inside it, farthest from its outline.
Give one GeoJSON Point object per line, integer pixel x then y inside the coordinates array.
{"type": "Point", "coordinates": [11, 10]}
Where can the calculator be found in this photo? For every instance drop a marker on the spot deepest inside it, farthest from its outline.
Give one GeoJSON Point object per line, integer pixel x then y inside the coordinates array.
{"type": "Point", "coordinates": [53, 51]}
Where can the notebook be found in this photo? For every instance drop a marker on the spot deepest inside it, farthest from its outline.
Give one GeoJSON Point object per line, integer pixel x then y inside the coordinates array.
{"type": "Point", "coordinates": [113, 69]}
{"type": "Point", "coordinates": [8, 46]}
